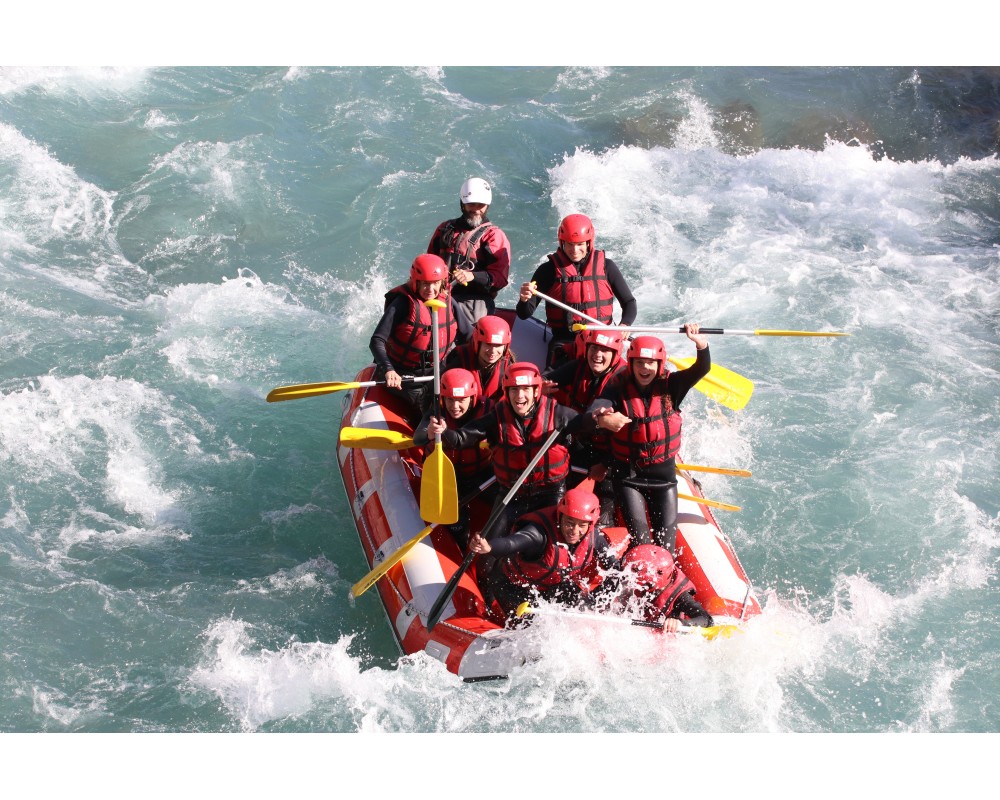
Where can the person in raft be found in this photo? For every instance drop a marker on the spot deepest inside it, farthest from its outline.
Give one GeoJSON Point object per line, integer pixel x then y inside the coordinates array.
{"type": "Point", "coordinates": [402, 343]}
{"type": "Point", "coordinates": [487, 355]}
{"type": "Point", "coordinates": [516, 428]}
{"type": "Point", "coordinates": [476, 251]}
{"type": "Point", "coordinates": [641, 407]}
{"type": "Point", "coordinates": [462, 401]}
{"type": "Point", "coordinates": [657, 589]}
{"type": "Point", "coordinates": [579, 276]}
{"type": "Point", "coordinates": [576, 384]}
{"type": "Point", "coordinates": [558, 553]}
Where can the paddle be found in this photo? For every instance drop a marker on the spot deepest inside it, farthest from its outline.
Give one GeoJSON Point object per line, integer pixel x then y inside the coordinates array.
{"type": "Point", "coordinates": [724, 386]}
{"type": "Point", "coordinates": [707, 502]}
{"type": "Point", "coordinates": [449, 589]}
{"type": "Point", "coordinates": [372, 577]}
{"type": "Point", "coordinates": [711, 632]}
{"type": "Point", "coordinates": [712, 331]}
{"type": "Point", "coordinates": [374, 439]}
{"type": "Point", "coordinates": [703, 500]}
{"type": "Point", "coordinates": [739, 473]}
{"type": "Point", "coordinates": [316, 389]}
{"type": "Point", "coordinates": [438, 485]}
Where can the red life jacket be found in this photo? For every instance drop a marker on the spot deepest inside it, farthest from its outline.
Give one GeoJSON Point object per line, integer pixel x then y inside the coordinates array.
{"type": "Point", "coordinates": [409, 345]}
{"type": "Point", "coordinates": [559, 563]}
{"type": "Point", "coordinates": [660, 604]}
{"type": "Point", "coordinates": [490, 383]}
{"type": "Point", "coordinates": [515, 449]}
{"type": "Point", "coordinates": [458, 248]}
{"type": "Point", "coordinates": [469, 461]}
{"type": "Point", "coordinates": [654, 434]}
{"type": "Point", "coordinates": [586, 290]}
{"type": "Point", "coordinates": [584, 387]}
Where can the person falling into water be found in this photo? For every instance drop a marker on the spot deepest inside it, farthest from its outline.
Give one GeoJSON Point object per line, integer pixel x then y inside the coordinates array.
{"type": "Point", "coordinates": [476, 251]}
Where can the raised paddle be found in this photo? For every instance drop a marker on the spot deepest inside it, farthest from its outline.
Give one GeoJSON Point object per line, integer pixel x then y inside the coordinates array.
{"type": "Point", "coordinates": [707, 502]}
{"type": "Point", "coordinates": [449, 589]}
{"type": "Point", "coordinates": [374, 439]}
{"type": "Point", "coordinates": [711, 331]}
{"type": "Point", "coordinates": [711, 632]}
{"type": "Point", "coordinates": [438, 486]}
{"type": "Point", "coordinates": [314, 389]}
{"type": "Point", "coordinates": [723, 385]}
{"type": "Point", "coordinates": [372, 577]}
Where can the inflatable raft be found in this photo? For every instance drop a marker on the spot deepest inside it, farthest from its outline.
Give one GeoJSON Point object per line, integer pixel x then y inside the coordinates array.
{"type": "Point", "coordinates": [384, 489]}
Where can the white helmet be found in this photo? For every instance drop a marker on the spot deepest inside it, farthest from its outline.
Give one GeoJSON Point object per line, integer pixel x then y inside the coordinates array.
{"type": "Point", "coordinates": [476, 190]}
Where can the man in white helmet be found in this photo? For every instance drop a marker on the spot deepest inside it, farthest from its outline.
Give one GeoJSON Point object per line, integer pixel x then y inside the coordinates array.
{"type": "Point", "coordinates": [476, 251]}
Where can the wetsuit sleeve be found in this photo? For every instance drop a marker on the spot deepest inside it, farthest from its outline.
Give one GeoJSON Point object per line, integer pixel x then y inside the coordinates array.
{"type": "Point", "coordinates": [680, 383]}
{"type": "Point", "coordinates": [472, 432]}
{"type": "Point", "coordinates": [393, 312]}
{"type": "Point", "coordinates": [527, 540]}
{"type": "Point", "coordinates": [420, 437]}
{"type": "Point", "coordinates": [573, 422]}
{"type": "Point", "coordinates": [621, 291]}
{"type": "Point", "coordinates": [494, 256]}
{"type": "Point", "coordinates": [434, 247]}
{"type": "Point", "coordinates": [695, 614]}
{"type": "Point", "coordinates": [544, 277]}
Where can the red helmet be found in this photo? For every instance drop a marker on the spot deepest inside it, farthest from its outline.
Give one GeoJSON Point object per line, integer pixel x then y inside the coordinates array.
{"type": "Point", "coordinates": [427, 267]}
{"type": "Point", "coordinates": [580, 504]}
{"type": "Point", "coordinates": [651, 565]}
{"type": "Point", "coordinates": [490, 330]}
{"type": "Point", "coordinates": [522, 373]}
{"type": "Point", "coordinates": [576, 228]}
{"type": "Point", "coordinates": [459, 383]}
{"type": "Point", "coordinates": [648, 347]}
{"type": "Point", "coordinates": [612, 340]}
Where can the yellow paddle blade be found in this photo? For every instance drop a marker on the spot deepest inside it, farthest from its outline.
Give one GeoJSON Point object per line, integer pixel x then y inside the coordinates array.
{"type": "Point", "coordinates": [707, 502]}
{"type": "Point", "coordinates": [739, 473]}
{"type": "Point", "coordinates": [722, 385]}
{"type": "Point", "coordinates": [373, 439]}
{"type": "Point", "coordinates": [759, 332]}
{"type": "Point", "coordinates": [372, 577]}
{"type": "Point", "coordinates": [717, 631]}
{"type": "Point", "coordinates": [307, 390]}
{"type": "Point", "coordinates": [438, 489]}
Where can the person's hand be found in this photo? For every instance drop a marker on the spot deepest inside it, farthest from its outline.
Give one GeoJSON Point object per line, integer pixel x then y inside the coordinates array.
{"type": "Point", "coordinates": [671, 625]}
{"type": "Point", "coordinates": [549, 387]}
{"type": "Point", "coordinates": [598, 472]}
{"type": "Point", "coordinates": [611, 420]}
{"type": "Point", "coordinates": [436, 427]}
{"type": "Point", "coordinates": [700, 340]}
{"type": "Point", "coordinates": [463, 276]}
{"type": "Point", "coordinates": [393, 379]}
{"type": "Point", "coordinates": [526, 291]}
{"type": "Point", "coordinates": [478, 545]}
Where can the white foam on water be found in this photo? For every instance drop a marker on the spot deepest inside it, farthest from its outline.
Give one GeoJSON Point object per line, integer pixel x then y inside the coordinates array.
{"type": "Point", "coordinates": [312, 575]}
{"type": "Point", "coordinates": [58, 80]}
{"type": "Point", "coordinates": [98, 438]}
{"type": "Point", "coordinates": [233, 333]}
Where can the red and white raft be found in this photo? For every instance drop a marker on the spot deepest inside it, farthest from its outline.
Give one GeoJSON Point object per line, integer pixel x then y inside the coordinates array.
{"type": "Point", "coordinates": [384, 489]}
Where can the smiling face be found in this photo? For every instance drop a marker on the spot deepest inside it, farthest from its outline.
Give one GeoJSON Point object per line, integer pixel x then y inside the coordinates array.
{"type": "Point", "coordinates": [457, 407]}
{"type": "Point", "coordinates": [428, 290]}
{"type": "Point", "coordinates": [599, 359]}
{"type": "Point", "coordinates": [572, 529]}
{"type": "Point", "coordinates": [645, 370]}
{"type": "Point", "coordinates": [522, 399]}
{"type": "Point", "coordinates": [575, 251]}
{"type": "Point", "coordinates": [490, 354]}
